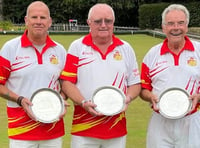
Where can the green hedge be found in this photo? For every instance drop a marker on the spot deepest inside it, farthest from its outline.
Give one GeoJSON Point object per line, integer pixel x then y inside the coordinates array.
{"type": "Point", "coordinates": [150, 14]}
{"type": "Point", "coordinates": [194, 9]}
{"type": "Point", "coordinates": [5, 25]}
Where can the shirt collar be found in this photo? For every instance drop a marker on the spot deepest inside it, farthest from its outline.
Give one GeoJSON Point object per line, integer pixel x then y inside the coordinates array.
{"type": "Point", "coordinates": [88, 41]}
{"type": "Point", "coordinates": [25, 42]}
{"type": "Point", "coordinates": [188, 46]}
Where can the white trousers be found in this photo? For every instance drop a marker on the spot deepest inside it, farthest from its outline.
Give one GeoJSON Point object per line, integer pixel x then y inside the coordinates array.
{"type": "Point", "coordinates": [87, 142]}
{"type": "Point", "coordinates": [54, 143]}
{"type": "Point", "coordinates": [194, 131]}
{"type": "Point", "coordinates": [174, 133]}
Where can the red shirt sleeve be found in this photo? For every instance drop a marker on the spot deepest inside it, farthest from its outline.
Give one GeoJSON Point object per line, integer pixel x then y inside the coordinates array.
{"type": "Point", "coordinates": [5, 70]}
{"type": "Point", "coordinates": [145, 77]}
{"type": "Point", "coordinates": [70, 70]}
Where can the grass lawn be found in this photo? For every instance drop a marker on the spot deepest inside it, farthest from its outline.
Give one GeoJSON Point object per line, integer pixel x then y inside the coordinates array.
{"type": "Point", "coordinates": [138, 112]}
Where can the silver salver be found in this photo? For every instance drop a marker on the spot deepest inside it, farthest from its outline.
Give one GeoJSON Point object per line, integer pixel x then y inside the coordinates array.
{"type": "Point", "coordinates": [174, 103]}
{"type": "Point", "coordinates": [47, 106]}
{"type": "Point", "coordinates": [110, 100]}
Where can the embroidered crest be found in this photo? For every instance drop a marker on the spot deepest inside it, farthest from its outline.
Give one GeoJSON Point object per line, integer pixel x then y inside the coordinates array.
{"type": "Point", "coordinates": [53, 59]}
{"type": "Point", "coordinates": [192, 62]}
{"type": "Point", "coordinates": [117, 55]}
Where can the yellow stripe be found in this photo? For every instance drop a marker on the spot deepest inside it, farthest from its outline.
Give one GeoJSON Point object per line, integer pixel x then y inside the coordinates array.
{"type": "Point", "coordinates": [84, 126]}
{"type": "Point", "coordinates": [2, 78]}
{"type": "Point", "coordinates": [11, 120]}
{"type": "Point", "coordinates": [144, 82]}
{"type": "Point", "coordinates": [122, 115]}
{"type": "Point", "coordinates": [23, 129]}
{"type": "Point", "coordinates": [69, 74]}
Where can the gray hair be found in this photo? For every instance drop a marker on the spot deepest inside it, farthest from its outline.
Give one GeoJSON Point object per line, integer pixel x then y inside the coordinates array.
{"type": "Point", "coordinates": [176, 7]}
{"type": "Point", "coordinates": [100, 4]}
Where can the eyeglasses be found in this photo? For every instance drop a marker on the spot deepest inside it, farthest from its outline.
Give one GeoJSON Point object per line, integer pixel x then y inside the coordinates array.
{"type": "Point", "coordinates": [100, 22]}
{"type": "Point", "coordinates": [178, 24]}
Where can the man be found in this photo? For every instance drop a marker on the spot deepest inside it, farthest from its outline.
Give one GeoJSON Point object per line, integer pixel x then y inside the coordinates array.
{"type": "Point", "coordinates": [28, 63]}
{"type": "Point", "coordinates": [95, 60]}
{"type": "Point", "coordinates": [173, 63]}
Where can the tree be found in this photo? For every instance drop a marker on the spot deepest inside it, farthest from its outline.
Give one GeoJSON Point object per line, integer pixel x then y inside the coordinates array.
{"type": "Point", "coordinates": [1, 10]}
{"type": "Point", "coordinates": [126, 11]}
{"type": "Point", "coordinates": [62, 11]}
{"type": "Point", "coordinates": [15, 11]}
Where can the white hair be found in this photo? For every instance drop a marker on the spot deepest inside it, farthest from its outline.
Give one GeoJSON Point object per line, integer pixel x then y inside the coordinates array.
{"type": "Point", "coordinates": [176, 7]}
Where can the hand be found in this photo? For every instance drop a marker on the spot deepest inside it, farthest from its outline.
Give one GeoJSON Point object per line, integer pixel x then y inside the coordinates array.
{"type": "Point", "coordinates": [154, 101]}
{"type": "Point", "coordinates": [89, 106]}
{"type": "Point", "coordinates": [26, 103]}
{"type": "Point", "coordinates": [127, 102]}
{"type": "Point", "coordinates": [66, 104]}
{"type": "Point", "coordinates": [195, 99]}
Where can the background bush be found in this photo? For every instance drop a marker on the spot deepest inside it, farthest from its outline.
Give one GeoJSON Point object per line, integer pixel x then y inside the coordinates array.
{"type": "Point", "coordinates": [150, 14]}
{"type": "Point", "coordinates": [5, 25]}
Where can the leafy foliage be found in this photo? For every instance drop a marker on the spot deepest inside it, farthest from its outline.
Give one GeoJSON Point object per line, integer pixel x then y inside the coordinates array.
{"type": "Point", "coordinates": [194, 13]}
{"type": "Point", "coordinates": [5, 25]}
{"type": "Point", "coordinates": [63, 10]}
{"type": "Point", "coordinates": [127, 12]}
{"type": "Point", "coordinates": [150, 14]}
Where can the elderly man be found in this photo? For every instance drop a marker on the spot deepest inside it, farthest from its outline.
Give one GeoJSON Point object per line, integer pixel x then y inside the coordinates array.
{"type": "Point", "coordinates": [96, 60]}
{"type": "Point", "coordinates": [172, 64]}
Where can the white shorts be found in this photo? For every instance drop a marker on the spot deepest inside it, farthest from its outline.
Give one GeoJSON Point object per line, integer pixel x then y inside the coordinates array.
{"type": "Point", "coordinates": [54, 143]}
{"type": "Point", "coordinates": [170, 133]}
{"type": "Point", "coordinates": [88, 142]}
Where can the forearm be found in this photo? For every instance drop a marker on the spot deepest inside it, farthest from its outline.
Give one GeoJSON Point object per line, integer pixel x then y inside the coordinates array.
{"type": "Point", "coordinates": [8, 94]}
{"type": "Point", "coordinates": [72, 92]}
{"type": "Point", "coordinates": [146, 95]}
{"type": "Point", "coordinates": [134, 91]}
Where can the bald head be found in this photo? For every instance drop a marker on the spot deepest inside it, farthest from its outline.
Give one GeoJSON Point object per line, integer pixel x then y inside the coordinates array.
{"type": "Point", "coordinates": [100, 6]}
{"type": "Point", "coordinates": [37, 21]}
{"type": "Point", "coordinates": [38, 4]}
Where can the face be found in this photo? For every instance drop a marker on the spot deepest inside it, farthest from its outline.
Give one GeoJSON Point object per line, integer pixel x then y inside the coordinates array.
{"type": "Point", "coordinates": [101, 22]}
{"type": "Point", "coordinates": [38, 20]}
{"type": "Point", "coordinates": [175, 26]}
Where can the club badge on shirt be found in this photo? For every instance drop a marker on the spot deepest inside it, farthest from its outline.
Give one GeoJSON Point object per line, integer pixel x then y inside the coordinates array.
{"type": "Point", "coordinates": [53, 59]}
{"type": "Point", "coordinates": [191, 61]}
{"type": "Point", "coordinates": [117, 56]}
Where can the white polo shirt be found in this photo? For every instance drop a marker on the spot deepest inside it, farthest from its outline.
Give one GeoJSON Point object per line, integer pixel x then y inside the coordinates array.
{"type": "Point", "coordinates": [23, 69]}
{"type": "Point", "coordinates": [162, 69]}
{"type": "Point", "coordinates": [89, 69]}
